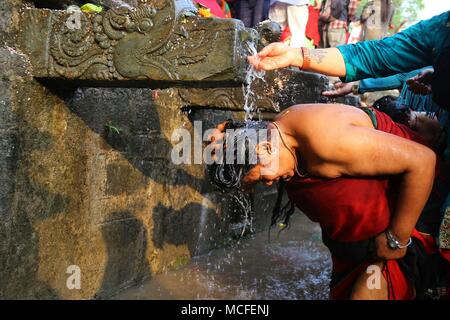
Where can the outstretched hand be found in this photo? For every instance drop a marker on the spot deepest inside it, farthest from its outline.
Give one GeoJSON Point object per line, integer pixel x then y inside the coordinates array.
{"type": "Point", "coordinates": [340, 89]}
{"type": "Point", "coordinates": [216, 138]}
{"type": "Point", "coordinates": [276, 56]}
{"type": "Point", "coordinates": [421, 83]}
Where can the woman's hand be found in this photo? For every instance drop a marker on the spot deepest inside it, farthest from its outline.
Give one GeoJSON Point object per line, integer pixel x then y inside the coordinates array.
{"type": "Point", "coordinates": [340, 89]}
{"type": "Point", "coordinates": [384, 251]}
{"type": "Point", "coordinates": [421, 84]}
{"type": "Point", "coordinates": [216, 138]}
{"type": "Point", "coordinates": [276, 56]}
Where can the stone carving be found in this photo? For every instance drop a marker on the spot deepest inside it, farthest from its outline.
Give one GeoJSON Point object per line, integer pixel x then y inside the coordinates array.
{"type": "Point", "coordinates": [225, 98]}
{"type": "Point", "coordinates": [163, 40]}
{"type": "Point", "coordinates": [269, 32]}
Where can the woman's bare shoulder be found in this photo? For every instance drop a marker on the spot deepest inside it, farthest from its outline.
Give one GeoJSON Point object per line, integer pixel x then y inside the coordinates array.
{"type": "Point", "coordinates": [321, 115]}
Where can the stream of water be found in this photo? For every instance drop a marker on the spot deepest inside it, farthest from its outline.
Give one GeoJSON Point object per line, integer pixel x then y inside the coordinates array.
{"type": "Point", "coordinates": [251, 75]}
{"type": "Point", "coordinates": [293, 266]}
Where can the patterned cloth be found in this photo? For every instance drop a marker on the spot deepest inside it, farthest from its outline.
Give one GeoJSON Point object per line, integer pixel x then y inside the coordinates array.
{"type": "Point", "coordinates": [444, 234]}
{"type": "Point", "coordinates": [340, 24]}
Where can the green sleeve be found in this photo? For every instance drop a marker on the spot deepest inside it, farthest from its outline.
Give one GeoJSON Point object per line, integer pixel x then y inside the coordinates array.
{"type": "Point", "coordinates": [414, 48]}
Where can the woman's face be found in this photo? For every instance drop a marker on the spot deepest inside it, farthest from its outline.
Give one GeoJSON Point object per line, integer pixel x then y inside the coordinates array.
{"type": "Point", "coordinates": [275, 163]}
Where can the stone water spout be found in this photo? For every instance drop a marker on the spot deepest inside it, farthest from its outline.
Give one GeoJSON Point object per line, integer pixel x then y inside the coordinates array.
{"type": "Point", "coordinates": [162, 44]}
{"type": "Point", "coordinates": [163, 41]}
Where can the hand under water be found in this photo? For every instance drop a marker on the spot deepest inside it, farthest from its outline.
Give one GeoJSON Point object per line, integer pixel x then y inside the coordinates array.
{"type": "Point", "coordinates": [340, 89]}
{"type": "Point", "coordinates": [216, 138]}
{"type": "Point", "coordinates": [277, 55]}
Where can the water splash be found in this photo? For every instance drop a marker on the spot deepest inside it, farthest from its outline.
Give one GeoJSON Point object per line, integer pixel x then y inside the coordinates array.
{"type": "Point", "coordinates": [245, 204]}
{"type": "Point", "coordinates": [294, 266]}
{"type": "Point", "coordinates": [202, 242]}
{"type": "Point", "coordinates": [251, 75]}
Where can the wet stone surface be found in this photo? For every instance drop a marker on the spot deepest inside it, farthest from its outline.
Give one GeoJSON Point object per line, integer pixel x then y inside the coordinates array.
{"type": "Point", "coordinates": [293, 266]}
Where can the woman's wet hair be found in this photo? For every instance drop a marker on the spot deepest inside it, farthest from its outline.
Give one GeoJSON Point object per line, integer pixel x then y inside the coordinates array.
{"type": "Point", "coordinates": [389, 105]}
{"type": "Point", "coordinates": [229, 176]}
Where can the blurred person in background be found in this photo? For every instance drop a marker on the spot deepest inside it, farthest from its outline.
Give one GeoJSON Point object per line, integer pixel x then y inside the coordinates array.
{"type": "Point", "coordinates": [335, 17]}
{"type": "Point", "coordinates": [292, 14]}
{"type": "Point", "coordinates": [312, 27]}
{"type": "Point", "coordinates": [251, 12]}
{"type": "Point", "coordinates": [376, 18]}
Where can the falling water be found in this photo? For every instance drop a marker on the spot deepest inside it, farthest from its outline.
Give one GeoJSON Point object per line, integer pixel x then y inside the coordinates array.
{"type": "Point", "coordinates": [202, 224]}
{"type": "Point", "coordinates": [251, 75]}
{"type": "Point", "coordinates": [244, 203]}
{"type": "Point", "coordinates": [294, 265]}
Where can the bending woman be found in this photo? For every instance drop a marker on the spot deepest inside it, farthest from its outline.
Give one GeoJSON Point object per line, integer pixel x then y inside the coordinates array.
{"type": "Point", "coordinates": [364, 179]}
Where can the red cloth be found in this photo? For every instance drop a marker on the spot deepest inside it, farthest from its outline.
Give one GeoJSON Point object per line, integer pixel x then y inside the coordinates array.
{"type": "Point", "coordinates": [213, 6]}
{"type": "Point", "coordinates": [355, 209]}
{"type": "Point", "coordinates": [312, 27]}
{"type": "Point", "coordinates": [286, 34]}
{"type": "Point", "coordinates": [351, 209]}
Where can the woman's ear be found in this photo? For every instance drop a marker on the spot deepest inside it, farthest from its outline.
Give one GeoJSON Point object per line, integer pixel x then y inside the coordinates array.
{"type": "Point", "coordinates": [265, 148]}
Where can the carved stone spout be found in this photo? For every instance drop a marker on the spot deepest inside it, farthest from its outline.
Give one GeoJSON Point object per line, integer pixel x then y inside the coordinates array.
{"type": "Point", "coordinates": [161, 42]}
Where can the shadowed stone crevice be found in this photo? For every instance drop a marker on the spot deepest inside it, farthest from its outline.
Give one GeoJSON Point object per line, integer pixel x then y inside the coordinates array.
{"type": "Point", "coordinates": [126, 242]}
{"type": "Point", "coordinates": [198, 227]}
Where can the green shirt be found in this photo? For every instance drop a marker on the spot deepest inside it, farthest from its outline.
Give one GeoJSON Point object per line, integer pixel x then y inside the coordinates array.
{"type": "Point", "coordinates": [416, 47]}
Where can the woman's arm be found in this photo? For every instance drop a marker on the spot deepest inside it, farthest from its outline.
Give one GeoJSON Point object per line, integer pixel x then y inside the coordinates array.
{"type": "Point", "coordinates": [279, 55]}
{"type": "Point", "coordinates": [363, 151]}
{"type": "Point", "coordinates": [414, 48]}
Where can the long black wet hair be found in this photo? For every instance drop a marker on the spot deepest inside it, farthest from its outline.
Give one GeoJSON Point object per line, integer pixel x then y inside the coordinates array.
{"type": "Point", "coordinates": [388, 104]}
{"type": "Point", "coordinates": [229, 176]}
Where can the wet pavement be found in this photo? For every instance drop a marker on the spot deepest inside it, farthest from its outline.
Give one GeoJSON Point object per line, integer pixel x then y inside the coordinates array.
{"type": "Point", "coordinates": [294, 265]}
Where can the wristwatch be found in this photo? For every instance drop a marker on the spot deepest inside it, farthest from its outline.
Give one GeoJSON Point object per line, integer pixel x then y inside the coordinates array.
{"type": "Point", "coordinates": [394, 243]}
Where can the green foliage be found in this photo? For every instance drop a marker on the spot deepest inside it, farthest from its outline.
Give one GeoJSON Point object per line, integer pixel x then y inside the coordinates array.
{"type": "Point", "coordinates": [407, 10]}
{"type": "Point", "coordinates": [112, 128]}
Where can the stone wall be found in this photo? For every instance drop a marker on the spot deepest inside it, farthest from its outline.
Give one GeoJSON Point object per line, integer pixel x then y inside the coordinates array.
{"type": "Point", "coordinates": [86, 177]}
{"type": "Point", "coordinates": [86, 180]}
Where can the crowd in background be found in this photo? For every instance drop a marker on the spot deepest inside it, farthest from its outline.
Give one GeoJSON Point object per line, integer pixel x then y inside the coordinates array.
{"type": "Point", "coordinates": [311, 23]}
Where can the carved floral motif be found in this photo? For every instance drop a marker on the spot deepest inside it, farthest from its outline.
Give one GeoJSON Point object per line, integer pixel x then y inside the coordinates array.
{"type": "Point", "coordinates": [148, 42]}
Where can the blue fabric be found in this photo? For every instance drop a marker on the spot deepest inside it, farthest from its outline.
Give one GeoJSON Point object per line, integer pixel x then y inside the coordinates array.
{"type": "Point", "coordinates": [387, 83]}
{"type": "Point", "coordinates": [414, 48]}
{"type": "Point", "coordinates": [417, 102]}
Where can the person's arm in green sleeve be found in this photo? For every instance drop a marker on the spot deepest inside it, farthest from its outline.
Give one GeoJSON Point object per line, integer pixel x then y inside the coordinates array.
{"type": "Point", "coordinates": [387, 83]}
{"type": "Point", "coordinates": [411, 49]}
{"type": "Point", "coordinates": [414, 48]}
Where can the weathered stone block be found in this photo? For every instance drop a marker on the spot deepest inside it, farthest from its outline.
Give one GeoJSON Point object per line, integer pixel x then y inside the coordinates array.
{"type": "Point", "coordinates": [163, 41]}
